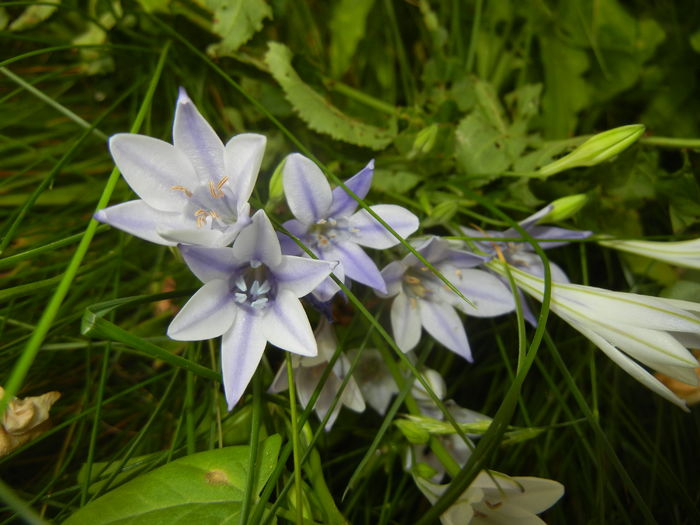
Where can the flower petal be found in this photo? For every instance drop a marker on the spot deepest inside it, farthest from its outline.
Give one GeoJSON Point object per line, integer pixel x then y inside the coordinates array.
{"type": "Point", "coordinates": [357, 265]}
{"type": "Point", "coordinates": [208, 313]}
{"type": "Point", "coordinates": [393, 276]}
{"type": "Point", "coordinates": [368, 232]}
{"type": "Point", "coordinates": [193, 135]}
{"type": "Point", "coordinates": [306, 189]}
{"type": "Point", "coordinates": [139, 219]}
{"type": "Point", "coordinates": [325, 291]}
{"type": "Point", "coordinates": [241, 350]}
{"type": "Point", "coordinates": [490, 296]}
{"type": "Point", "coordinates": [287, 326]}
{"type": "Point", "coordinates": [210, 263]}
{"type": "Point", "coordinates": [442, 322]}
{"type": "Point", "coordinates": [258, 242]}
{"type": "Point", "coordinates": [343, 204]}
{"type": "Point", "coordinates": [153, 169]}
{"type": "Point", "coordinates": [629, 366]}
{"type": "Point", "coordinates": [193, 236]}
{"type": "Point", "coordinates": [301, 275]}
{"type": "Point", "coordinates": [243, 155]}
{"type": "Point", "coordinates": [405, 322]}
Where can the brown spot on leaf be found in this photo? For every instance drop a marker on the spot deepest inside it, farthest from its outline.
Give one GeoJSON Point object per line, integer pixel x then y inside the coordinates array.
{"type": "Point", "coordinates": [216, 477]}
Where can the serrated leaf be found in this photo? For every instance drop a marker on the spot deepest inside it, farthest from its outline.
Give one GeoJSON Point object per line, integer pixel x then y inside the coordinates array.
{"type": "Point", "coordinates": [236, 21]}
{"type": "Point", "coordinates": [207, 487]}
{"type": "Point", "coordinates": [316, 111]}
{"type": "Point", "coordinates": [34, 15]}
{"type": "Point", "coordinates": [480, 147]}
{"type": "Point", "coordinates": [347, 28]}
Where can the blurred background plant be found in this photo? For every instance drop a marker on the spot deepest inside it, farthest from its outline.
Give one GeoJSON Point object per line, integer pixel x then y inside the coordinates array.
{"type": "Point", "coordinates": [460, 103]}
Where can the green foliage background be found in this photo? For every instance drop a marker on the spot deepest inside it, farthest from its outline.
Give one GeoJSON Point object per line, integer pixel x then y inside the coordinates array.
{"type": "Point", "coordinates": [457, 101]}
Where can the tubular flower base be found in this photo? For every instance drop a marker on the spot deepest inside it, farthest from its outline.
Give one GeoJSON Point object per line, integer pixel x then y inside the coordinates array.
{"type": "Point", "coordinates": [194, 191]}
{"type": "Point", "coordinates": [497, 499]}
{"type": "Point", "coordinates": [682, 253]}
{"type": "Point", "coordinates": [652, 330]}
{"type": "Point", "coordinates": [250, 296]}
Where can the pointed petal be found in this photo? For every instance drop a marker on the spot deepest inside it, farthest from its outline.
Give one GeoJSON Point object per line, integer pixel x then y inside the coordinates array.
{"type": "Point", "coordinates": [139, 219]}
{"type": "Point", "coordinates": [405, 322]}
{"type": "Point", "coordinates": [280, 382]}
{"type": "Point", "coordinates": [368, 232]}
{"type": "Point", "coordinates": [325, 291]}
{"type": "Point", "coordinates": [208, 313]}
{"type": "Point", "coordinates": [301, 275]}
{"type": "Point", "coordinates": [442, 322]}
{"type": "Point", "coordinates": [562, 236]}
{"type": "Point", "coordinates": [243, 156]}
{"type": "Point", "coordinates": [193, 135]}
{"type": "Point", "coordinates": [393, 276]}
{"type": "Point", "coordinates": [527, 222]}
{"type": "Point", "coordinates": [306, 188]}
{"type": "Point", "coordinates": [490, 296]}
{"type": "Point", "coordinates": [343, 204]}
{"type": "Point", "coordinates": [357, 265]}
{"type": "Point", "coordinates": [241, 350]}
{"type": "Point", "coordinates": [153, 168]}
{"type": "Point", "coordinates": [629, 366]}
{"type": "Point", "coordinates": [258, 242]}
{"type": "Point", "coordinates": [194, 236]}
{"type": "Point", "coordinates": [535, 494]}
{"type": "Point", "coordinates": [287, 326]}
{"type": "Point", "coordinates": [210, 263]}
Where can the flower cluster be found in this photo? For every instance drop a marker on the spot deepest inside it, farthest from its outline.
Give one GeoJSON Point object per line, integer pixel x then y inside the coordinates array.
{"type": "Point", "coordinates": [194, 194]}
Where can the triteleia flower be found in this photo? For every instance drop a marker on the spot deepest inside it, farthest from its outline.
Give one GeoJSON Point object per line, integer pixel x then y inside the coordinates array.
{"type": "Point", "coordinates": [329, 225]}
{"type": "Point", "coordinates": [374, 379]}
{"type": "Point", "coordinates": [681, 253]}
{"type": "Point", "coordinates": [194, 191]}
{"type": "Point", "coordinates": [250, 296]}
{"type": "Point", "coordinates": [652, 330]}
{"type": "Point", "coordinates": [308, 372]}
{"type": "Point", "coordinates": [520, 253]}
{"type": "Point", "coordinates": [422, 299]}
{"type": "Point", "coordinates": [494, 498]}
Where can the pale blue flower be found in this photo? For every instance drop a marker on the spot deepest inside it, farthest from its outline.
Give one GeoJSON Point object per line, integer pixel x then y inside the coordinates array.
{"type": "Point", "coordinates": [679, 253]}
{"type": "Point", "coordinates": [421, 299]}
{"type": "Point", "coordinates": [329, 225]}
{"type": "Point", "coordinates": [308, 372]}
{"type": "Point", "coordinates": [194, 191]}
{"type": "Point", "coordinates": [250, 296]}
{"type": "Point", "coordinates": [521, 253]}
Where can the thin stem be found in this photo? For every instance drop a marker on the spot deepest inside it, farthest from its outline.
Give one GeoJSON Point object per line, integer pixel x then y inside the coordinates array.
{"type": "Point", "coordinates": [295, 440]}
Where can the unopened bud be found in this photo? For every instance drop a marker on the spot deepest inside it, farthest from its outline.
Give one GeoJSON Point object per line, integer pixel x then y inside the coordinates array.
{"type": "Point", "coordinates": [413, 431]}
{"type": "Point", "coordinates": [275, 187]}
{"type": "Point", "coordinates": [596, 149]}
{"type": "Point", "coordinates": [425, 141]}
{"type": "Point", "coordinates": [562, 209]}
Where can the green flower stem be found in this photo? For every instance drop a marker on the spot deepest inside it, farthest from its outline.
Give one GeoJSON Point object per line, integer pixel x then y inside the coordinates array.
{"type": "Point", "coordinates": [671, 142]}
{"type": "Point", "coordinates": [295, 441]}
{"type": "Point", "coordinates": [252, 481]}
{"type": "Point", "coordinates": [26, 359]}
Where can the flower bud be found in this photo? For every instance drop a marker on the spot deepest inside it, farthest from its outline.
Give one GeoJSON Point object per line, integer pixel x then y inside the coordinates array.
{"type": "Point", "coordinates": [275, 188]}
{"type": "Point", "coordinates": [425, 141]}
{"type": "Point", "coordinates": [596, 149]}
{"type": "Point", "coordinates": [562, 209]}
{"type": "Point", "coordinates": [413, 431]}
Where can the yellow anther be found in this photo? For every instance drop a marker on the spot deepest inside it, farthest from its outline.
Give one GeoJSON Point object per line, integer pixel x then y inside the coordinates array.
{"type": "Point", "coordinates": [182, 189]}
{"type": "Point", "coordinates": [215, 191]}
{"type": "Point", "coordinates": [410, 279]}
{"type": "Point", "coordinates": [499, 253]}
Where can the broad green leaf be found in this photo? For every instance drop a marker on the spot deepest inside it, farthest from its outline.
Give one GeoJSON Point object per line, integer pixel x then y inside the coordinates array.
{"type": "Point", "coordinates": [394, 181]}
{"type": "Point", "coordinates": [566, 92]}
{"type": "Point", "coordinates": [347, 28]}
{"type": "Point", "coordinates": [480, 148]}
{"type": "Point", "coordinates": [236, 21]}
{"type": "Point", "coordinates": [152, 6]}
{"type": "Point", "coordinates": [206, 487]}
{"type": "Point", "coordinates": [316, 111]}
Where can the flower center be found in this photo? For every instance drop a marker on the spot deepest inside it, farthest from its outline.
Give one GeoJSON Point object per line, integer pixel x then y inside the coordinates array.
{"type": "Point", "coordinates": [210, 205]}
{"type": "Point", "coordinates": [254, 288]}
{"type": "Point", "coordinates": [327, 231]}
{"type": "Point", "coordinates": [419, 283]}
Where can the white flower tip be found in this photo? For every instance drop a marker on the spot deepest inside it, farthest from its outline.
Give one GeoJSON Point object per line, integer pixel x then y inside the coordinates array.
{"type": "Point", "coordinates": [100, 216]}
{"type": "Point", "coordinates": [370, 165]}
{"type": "Point", "coordinates": [182, 96]}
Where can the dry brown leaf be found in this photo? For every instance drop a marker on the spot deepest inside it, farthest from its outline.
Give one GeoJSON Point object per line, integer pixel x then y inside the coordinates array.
{"type": "Point", "coordinates": [24, 420]}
